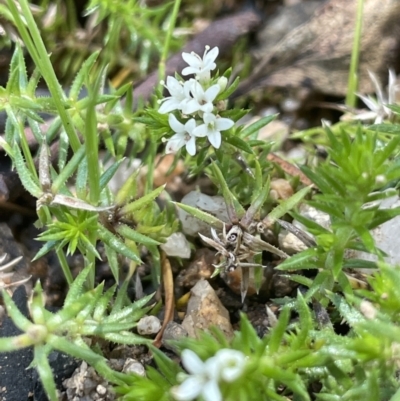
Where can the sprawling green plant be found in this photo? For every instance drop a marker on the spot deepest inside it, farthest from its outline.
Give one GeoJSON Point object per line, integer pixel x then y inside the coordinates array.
{"type": "Point", "coordinates": [359, 172]}
{"type": "Point", "coordinates": [84, 315]}
{"type": "Point", "coordinates": [302, 357]}
{"type": "Point", "coordinates": [289, 361]}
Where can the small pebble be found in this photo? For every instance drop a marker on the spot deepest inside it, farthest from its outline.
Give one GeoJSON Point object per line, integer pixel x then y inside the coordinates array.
{"type": "Point", "coordinates": [148, 325]}
{"type": "Point", "coordinates": [133, 366]}
{"type": "Point", "coordinates": [173, 332]}
{"type": "Point", "coordinates": [100, 389]}
{"type": "Point", "coordinates": [177, 245]}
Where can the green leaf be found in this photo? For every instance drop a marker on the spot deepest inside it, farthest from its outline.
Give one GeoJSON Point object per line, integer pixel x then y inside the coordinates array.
{"type": "Point", "coordinates": [17, 317]}
{"type": "Point", "coordinates": [109, 173]}
{"type": "Point", "coordinates": [83, 352]}
{"type": "Point", "coordinates": [81, 75]}
{"type": "Point", "coordinates": [127, 232]}
{"type": "Point", "coordinates": [47, 247]}
{"type": "Point", "coordinates": [352, 316]}
{"type": "Point", "coordinates": [203, 216]}
{"type": "Point", "coordinates": [237, 143]}
{"type": "Point", "coordinates": [277, 332]}
{"type": "Point", "coordinates": [257, 125]}
{"type": "Point", "coordinates": [288, 204]}
{"type": "Point", "coordinates": [42, 365]}
{"type": "Point", "coordinates": [76, 289]}
{"type": "Point", "coordinates": [305, 323]}
{"type": "Point", "coordinates": [143, 201]}
{"type": "Point", "coordinates": [113, 242]}
{"type": "Point", "coordinates": [256, 205]}
{"type": "Point", "coordinates": [167, 367]}
{"type": "Point", "coordinates": [112, 259]}
{"type": "Point", "coordinates": [385, 128]}
{"type": "Point", "coordinates": [234, 208]}
{"type": "Point", "coordinates": [302, 260]}
{"type": "Point", "coordinates": [68, 170]}
{"type": "Point", "coordinates": [133, 312]}
{"type": "Point", "coordinates": [126, 337]}
{"type": "Point", "coordinates": [103, 303]}
{"type": "Point", "coordinates": [248, 339]}
{"type": "Point", "coordinates": [27, 180]}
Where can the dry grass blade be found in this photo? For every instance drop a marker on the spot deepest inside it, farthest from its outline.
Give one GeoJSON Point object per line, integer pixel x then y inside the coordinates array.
{"type": "Point", "coordinates": [168, 283]}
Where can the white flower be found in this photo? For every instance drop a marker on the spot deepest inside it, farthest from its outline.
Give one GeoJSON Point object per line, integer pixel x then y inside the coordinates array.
{"type": "Point", "coordinates": [212, 128]}
{"type": "Point", "coordinates": [202, 99]}
{"type": "Point", "coordinates": [184, 136]}
{"type": "Point", "coordinates": [180, 94]}
{"type": "Point", "coordinates": [204, 377]}
{"type": "Point", "coordinates": [201, 67]}
{"type": "Point", "coordinates": [377, 107]}
{"type": "Point", "coordinates": [231, 364]}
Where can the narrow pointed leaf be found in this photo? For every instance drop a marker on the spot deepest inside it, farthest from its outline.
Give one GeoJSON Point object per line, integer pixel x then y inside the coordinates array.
{"type": "Point", "coordinates": [113, 242]}
{"type": "Point", "coordinates": [143, 201]}
{"type": "Point", "coordinates": [256, 205]}
{"type": "Point", "coordinates": [203, 216]}
{"type": "Point", "coordinates": [234, 208]}
{"type": "Point", "coordinates": [45, 373]}
{"type": "Point", "coordinates": [288, 204]}
{"type": "Point", "coordinates": [133, 235]}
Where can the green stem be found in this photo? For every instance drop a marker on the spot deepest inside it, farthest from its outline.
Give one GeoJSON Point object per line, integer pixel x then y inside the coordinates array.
{"type": "Point", "coordinates": [92, 153]}
{"type": "Point", "coordinates": [34, 43]}
{"type": "Point", "coordinates": [64, 266]}
{"type": "Point", "coordinates": [171, 27]}
{"type": "Point", "coordinates": [355, 55]}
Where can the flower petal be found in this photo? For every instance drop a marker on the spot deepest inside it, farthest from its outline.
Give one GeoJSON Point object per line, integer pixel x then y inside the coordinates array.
{"type": "Point", "coordinates": [175, 143]}
{"type": "Point", "coordinates": [192, 59]}
{"type": "Point", "coordinates": [176, 125]}
{"type": "Point", "coordinates": [211, 391]}
{"type": "Point", "coordinates": [211, 93]}
{"type": "Point", "coordinates": [222, 124]}
{"type": "Point", "coordinates": [168, 105]}
{"type": "Point", "coordinates": [175, 88]}
{"type": "Point", "coordinates": [200, 130]}
{"type": "Point", "coordinates": [215, 138]}
{"type": "Point", "coordinates": [190, 126]}
{"type": "Point", "coordinates": [188, 390]}
{"type": "Point", "coordinates": [210, 57]}
{"type": "Point", "coordinates": [190, 107]}
{"type": "Point", "coordinates": [191, 362]}
{"type": "Point", "coordinates": [190, 71]}
{"type": "Point", "coordinates": [191, 146]}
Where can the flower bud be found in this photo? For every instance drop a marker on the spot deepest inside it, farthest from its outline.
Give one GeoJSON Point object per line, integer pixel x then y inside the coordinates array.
{"type": "Point", "coordinates": [222, 82]}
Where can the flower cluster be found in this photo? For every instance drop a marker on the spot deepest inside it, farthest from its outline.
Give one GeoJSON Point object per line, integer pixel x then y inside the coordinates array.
{"type": "Point", "coordinates": [195, 100]}
{"type": "Point", "coordinates": [226, 365]}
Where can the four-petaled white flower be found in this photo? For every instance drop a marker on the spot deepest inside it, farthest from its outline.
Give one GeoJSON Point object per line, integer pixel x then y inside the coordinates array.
{"type": "Point", "coordinates": [184, 136]}
{"type": "Point", "coordinates": [204, 377]}
{"type": "Point", "coordinates": [180, 95]}
{"type": "Point", "coordinates": [202, 100]}
{"type": "Point", "coordinates": [201, 67]}
{"type": "Point", "coordinates": [378, 110]}
{"type": "Point", "coordinates": [212, 128]}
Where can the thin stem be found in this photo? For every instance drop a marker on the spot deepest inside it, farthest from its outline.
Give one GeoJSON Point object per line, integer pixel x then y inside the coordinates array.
{"type": "Point", "coordinates": [34, 43]}
{"type": "Point", "coordinates": [355, 55]}
{"type": "Point", "coordinates": [171, 27]}
{"type": "Point", "coordinates": [64, 266]}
